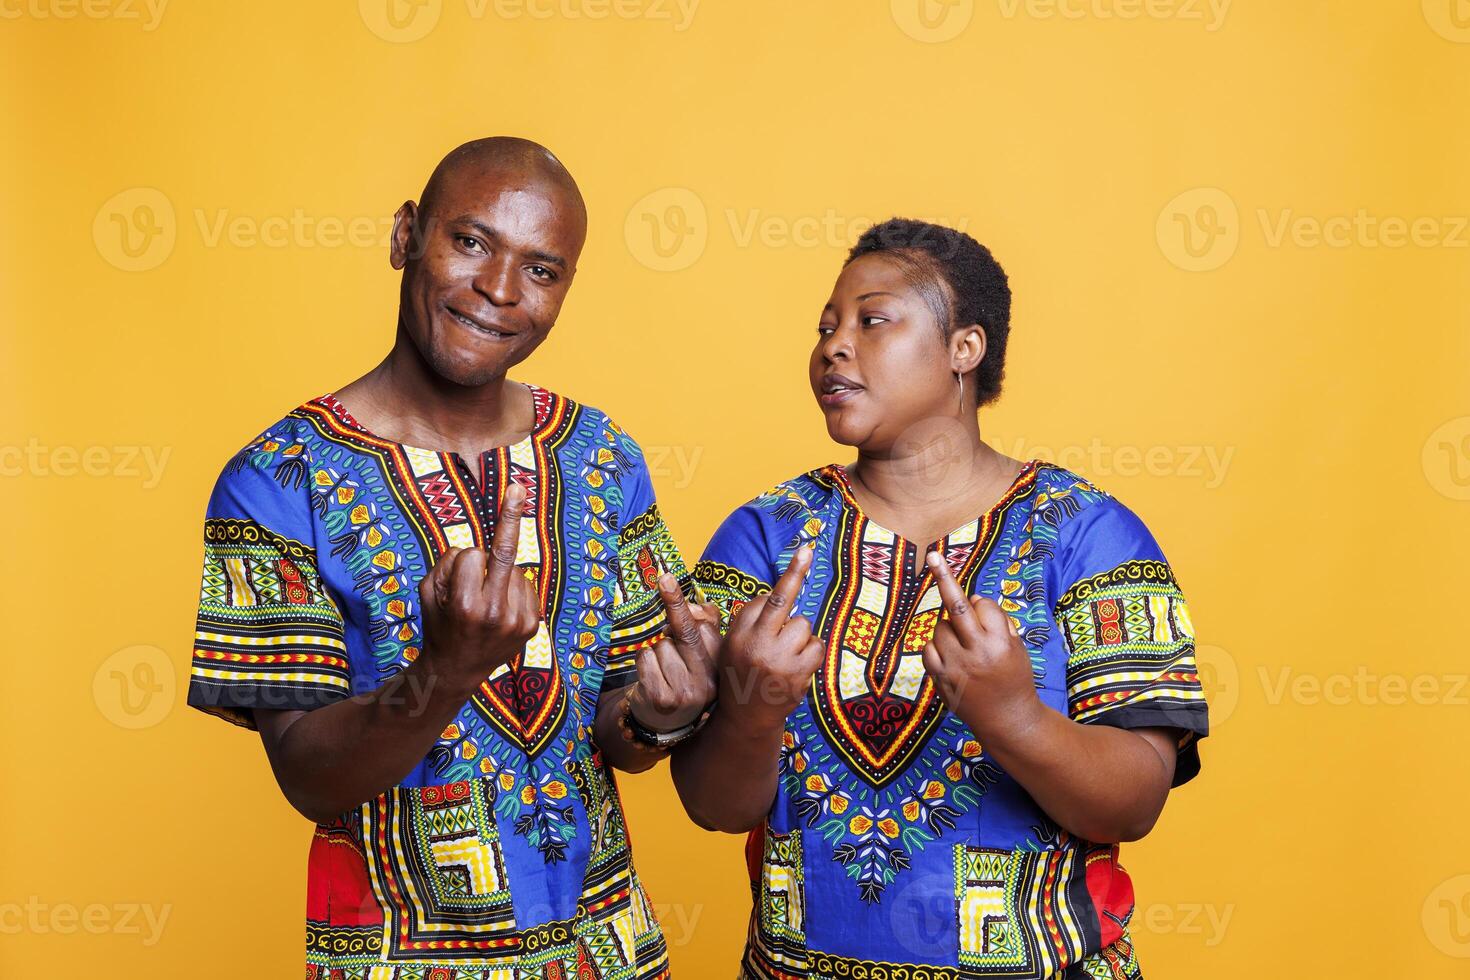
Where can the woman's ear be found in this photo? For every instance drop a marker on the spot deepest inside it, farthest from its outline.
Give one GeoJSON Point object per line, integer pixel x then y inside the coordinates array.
{"type": "Point", "coordinates": [967, 348]}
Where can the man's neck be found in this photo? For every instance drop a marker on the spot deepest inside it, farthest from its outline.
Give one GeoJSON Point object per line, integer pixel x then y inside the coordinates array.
{"type": "Point", "coordinates": [404, 400]}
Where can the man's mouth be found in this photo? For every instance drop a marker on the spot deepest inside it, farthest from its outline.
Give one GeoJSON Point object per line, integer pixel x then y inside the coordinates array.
{"type": "Point", "coordinates": [480, 326]}
{"type": "Point", "coordinates": [836, 389]}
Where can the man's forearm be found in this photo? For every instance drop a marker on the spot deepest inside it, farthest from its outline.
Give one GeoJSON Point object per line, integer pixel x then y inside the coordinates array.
{"type": "Point", "coordinates": [617, 751]}
{"type": "Point", "coordinates": [727, 774]}
{"type": "Point", "coordinates": [336, 758]}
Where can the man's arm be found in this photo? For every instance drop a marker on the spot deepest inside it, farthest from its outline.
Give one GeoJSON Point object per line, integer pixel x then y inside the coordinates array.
{"type": "Point", "coordinates": [675, 683]}
{"type": "Point", "coordinates": [478, 612]}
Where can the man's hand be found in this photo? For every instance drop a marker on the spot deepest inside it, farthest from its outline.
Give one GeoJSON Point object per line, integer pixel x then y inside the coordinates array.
{"type": "Point", "coordinates": [978, 661]}
{"type": "Point", "coordinates": [676, 676]}
{"type": "Point", "coordinates": [769, 657]}
{"type": "Point", "coordinates": [478, 608]}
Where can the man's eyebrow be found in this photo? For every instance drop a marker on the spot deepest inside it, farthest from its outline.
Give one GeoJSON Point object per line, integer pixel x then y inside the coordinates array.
{"type": "Point", "coordinates": [548, 258]}
{"type": "Point", "coordinates": [495, 238]}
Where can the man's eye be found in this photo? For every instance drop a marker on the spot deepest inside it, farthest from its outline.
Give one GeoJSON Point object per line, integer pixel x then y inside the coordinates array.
{"type": "Point", "coordinates": [824, 329]}
{"type": "Point", "coordinates": [542, 273]}
{"type": "Point", "coordinates": [471, 244]}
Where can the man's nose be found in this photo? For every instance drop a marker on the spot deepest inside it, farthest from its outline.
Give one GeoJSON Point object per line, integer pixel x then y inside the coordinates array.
{"type": "Point", "coordinates": [499, 281]}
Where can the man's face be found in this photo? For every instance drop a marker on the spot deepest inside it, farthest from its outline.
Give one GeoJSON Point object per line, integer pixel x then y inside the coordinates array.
{"type": "Point", "coordinates": [485, 274]}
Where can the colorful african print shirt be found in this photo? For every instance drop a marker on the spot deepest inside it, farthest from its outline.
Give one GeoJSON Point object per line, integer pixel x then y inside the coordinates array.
{"type": "Point", "coordinates": [503, 854]}
{"type": "Point", "coordinates": [896, 848]}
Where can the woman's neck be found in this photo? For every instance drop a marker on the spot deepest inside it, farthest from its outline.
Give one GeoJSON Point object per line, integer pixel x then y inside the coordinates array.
{"type": "Point", "coordinates": [927, 486]}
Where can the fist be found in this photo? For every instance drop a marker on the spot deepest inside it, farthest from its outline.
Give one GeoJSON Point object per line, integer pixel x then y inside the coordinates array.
{"type": "Point", "coordinates": [978, 661]}
{"type": "Point", "coordinates": [769, 656]}
{"type": "Point", "coordinates": [478, 608]}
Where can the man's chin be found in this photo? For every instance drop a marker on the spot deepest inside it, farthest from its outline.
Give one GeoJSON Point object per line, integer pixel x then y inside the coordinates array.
{"type": "Point", "coordinates": [469, 372]}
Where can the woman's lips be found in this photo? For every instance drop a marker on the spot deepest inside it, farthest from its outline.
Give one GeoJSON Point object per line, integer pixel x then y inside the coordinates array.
{"type": "Point", "coordinates": [836, 390]}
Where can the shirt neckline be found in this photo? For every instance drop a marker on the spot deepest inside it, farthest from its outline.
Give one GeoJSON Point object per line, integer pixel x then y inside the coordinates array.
{"type": "Point", "coordinates": [844, 486]}
{"type": "Point", "coordinates": [541, 400]}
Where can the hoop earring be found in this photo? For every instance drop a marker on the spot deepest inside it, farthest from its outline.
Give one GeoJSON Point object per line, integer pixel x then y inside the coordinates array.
{"type": "Point", "coordinates": [960, 380]}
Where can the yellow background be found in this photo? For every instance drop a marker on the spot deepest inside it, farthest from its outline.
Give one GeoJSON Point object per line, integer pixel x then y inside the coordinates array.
{"type": "Point", "coordinates": [1325, 836]}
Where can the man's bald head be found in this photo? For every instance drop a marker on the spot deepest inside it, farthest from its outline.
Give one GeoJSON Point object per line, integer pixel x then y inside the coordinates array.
{"type": "Point", "coordinates": [500, 156]}
{"type": "Point", "coordinates": [487, 254]}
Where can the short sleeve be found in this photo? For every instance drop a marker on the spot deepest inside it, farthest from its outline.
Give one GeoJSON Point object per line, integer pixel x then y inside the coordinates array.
{"type": "Point", "coordinates": [753, 546]}
{"type": "Point", "coordinates": [736, 566]}
{"type": "Point", "coordinates": [646, 549]}
{"type": "Point", "coordinates": [268, 634]}
{"type": "Point", "coordinates": [1125, 622]}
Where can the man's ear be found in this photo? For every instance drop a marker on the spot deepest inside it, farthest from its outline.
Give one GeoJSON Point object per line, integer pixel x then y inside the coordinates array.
{"type": "Point", "coordinates": [967, 348]}
{"type": "Point", "coordinates": [401, 245]}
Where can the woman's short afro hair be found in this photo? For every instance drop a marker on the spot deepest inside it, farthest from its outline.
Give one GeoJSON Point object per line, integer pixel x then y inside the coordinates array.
{"type": "Point", "coordinates": [958, 278]}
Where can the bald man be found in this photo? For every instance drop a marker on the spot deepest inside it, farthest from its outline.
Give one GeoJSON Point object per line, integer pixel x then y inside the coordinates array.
{"type": "Point", "coordinates": [441, 598]}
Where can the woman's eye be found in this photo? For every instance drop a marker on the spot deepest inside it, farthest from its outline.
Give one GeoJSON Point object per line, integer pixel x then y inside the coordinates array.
{"type": "Point", "coordinates": [825, 328]}
{"type": "Point", "coordinates": [871, 319]}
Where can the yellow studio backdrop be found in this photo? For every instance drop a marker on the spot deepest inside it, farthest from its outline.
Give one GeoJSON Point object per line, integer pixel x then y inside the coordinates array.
{"type": "Point", "coordinates": [1237, 236]}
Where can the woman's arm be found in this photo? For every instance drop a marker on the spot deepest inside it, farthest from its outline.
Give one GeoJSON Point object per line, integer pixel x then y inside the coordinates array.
{"type": "Point", "coordinates": [727, 774]}
{"type": "Point", "coordinates": [1099, 783]}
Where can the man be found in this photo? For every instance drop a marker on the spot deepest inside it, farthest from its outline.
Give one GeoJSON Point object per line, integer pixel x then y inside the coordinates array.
{"type": "Point", "coordinates": [422, 590]}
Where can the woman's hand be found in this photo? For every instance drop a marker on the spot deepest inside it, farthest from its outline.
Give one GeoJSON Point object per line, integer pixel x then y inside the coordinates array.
{"type": "Point", "coordinates": [979, 663]}
{"type": "Point", "coordinates": [769, 657]}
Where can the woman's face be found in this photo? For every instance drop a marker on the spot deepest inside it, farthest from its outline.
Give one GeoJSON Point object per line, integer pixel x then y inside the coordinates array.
{"type": "Point", "coordinates": [881, 365]}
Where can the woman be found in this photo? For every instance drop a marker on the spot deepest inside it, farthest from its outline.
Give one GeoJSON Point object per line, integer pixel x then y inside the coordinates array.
{"type": "Point", "coordinates": [989, 680]}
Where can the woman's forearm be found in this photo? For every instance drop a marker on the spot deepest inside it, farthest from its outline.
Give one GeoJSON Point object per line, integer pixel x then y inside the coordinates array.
{"type": "Point", "coordinates": [1099, 783]}
{"type": "Point", "coordinates": [726, 775]}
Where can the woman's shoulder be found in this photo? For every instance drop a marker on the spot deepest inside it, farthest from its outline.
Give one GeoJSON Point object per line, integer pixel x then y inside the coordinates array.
{"type": "Point", "coordinates": [805, 496]}
{"type": "Point", "coordinates": [784, 516]}
{"type": "Point", "coordinates": [1088, 526]}
{"type": "Point", "coordinates": [1071, 504]}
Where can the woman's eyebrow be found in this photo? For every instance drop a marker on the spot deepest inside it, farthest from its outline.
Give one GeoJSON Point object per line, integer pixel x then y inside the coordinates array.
{"type": "Point", "coordinates": [878, 293]}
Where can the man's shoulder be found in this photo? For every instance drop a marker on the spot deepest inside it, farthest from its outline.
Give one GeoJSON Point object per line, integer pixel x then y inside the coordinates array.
{"type": "Point", "coordinates": [596, 423]}
{"type": "Point", "coordinates": [289, 437]}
